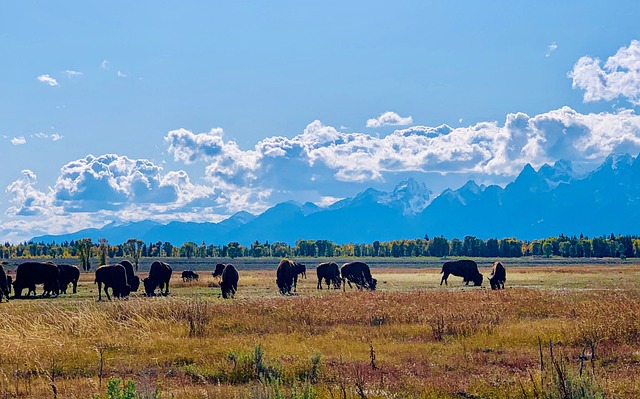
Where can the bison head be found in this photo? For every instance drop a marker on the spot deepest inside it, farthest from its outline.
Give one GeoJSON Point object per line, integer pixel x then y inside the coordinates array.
{"type": "Point", "coordinates": [149, 286]}
{"type": "Point", "coordinates": [372, 284]}
{"type": "Point", "coordinates": [218, 271]}
{"type": "Point", "coordinates": [477, 281]}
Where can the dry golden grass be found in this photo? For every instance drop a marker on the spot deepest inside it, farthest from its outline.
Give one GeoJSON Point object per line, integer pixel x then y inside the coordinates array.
{"type": "Point", "coordinates": [426, 340]}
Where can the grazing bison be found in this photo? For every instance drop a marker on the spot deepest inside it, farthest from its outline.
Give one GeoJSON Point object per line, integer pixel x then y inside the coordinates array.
{"type": "Point", "coordinates": [466, 268]}
{"type": "Point", "coordinates": [330, 272]}
{"type": "Point", "coordinates": [114, 277]}
{"type": "Point", "coordinates": [189, 275]}
{"type": "Point", "coordinates": [285, 274]}
{"type": "Point", "coordinates": [299, 269]}
{"type": "Point", "coordinates": [4, 284]}
{"type": "Point", "coordinates": [159, 276]}
{"type": "Point", "coordinates": [359, 274]}
{"type": "Point", "coordinates": [498, 276]}
{"type": "Point", "coordinates": [69, 274]}
{"type": "Point", "coordinates": [29, 274]}
{"type": "Point", "coordinates": [132, 279]}
{"type": "Point", "coordinates": [229, 279]}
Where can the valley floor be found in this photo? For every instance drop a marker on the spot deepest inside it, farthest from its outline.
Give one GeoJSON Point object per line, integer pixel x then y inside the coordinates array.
{"type": "Point", "coordinates": [558, 323]}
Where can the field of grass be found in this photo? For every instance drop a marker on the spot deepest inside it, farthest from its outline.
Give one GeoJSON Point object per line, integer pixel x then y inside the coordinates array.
{"type": "Point", "coordinates": [411, 338]}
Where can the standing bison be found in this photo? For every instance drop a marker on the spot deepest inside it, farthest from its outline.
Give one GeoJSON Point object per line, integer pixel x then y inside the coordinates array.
{"type": "Point", "coordinates": [466, 268]}
{"type": "Point", "coordinates": [285, 273]}
{"type": "Point", "coordinates": [4, 284]}
{"type": "Point", "coordinates": [189, 275]}
{"type": "Point", "coordinates": [330, 273]}
{"type": "Point", "coordinates": [498, 276]}
{"type": "Point", "coordinates": [31, 273]}
{"type": "Point", "coordinates": [114, 277]}
{"type": "Point", "coordinates": [132, 279]}
{"type": "Point", "coordinates": [69, 274]}
{"type": "Point", "coordinates": [359, 274]}
{"type": "Point", "coordinates": [159, 276]}
{"type": "Point", "coordinates": [229, 279]}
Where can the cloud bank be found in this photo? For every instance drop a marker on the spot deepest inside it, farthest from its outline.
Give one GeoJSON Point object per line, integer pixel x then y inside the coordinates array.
{"type": "Point", "coordinates": [619, 77]}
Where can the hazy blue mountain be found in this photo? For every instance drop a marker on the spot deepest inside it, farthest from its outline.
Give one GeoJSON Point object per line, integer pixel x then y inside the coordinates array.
{"type": "Point", "coordinates": [538, 203]}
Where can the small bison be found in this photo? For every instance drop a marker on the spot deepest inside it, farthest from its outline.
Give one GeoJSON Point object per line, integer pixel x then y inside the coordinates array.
{"type": "Point", "coordinates": [159, 276]}
{"type": "Point", "coordinates": [4, 284]}
{"type": "Point", "coordinates": [359, 274]}
{"type": "Point", "coordinates": [29, 274]}
{"type": "Point", "coordinates": [466, 268]}
{"type": "Point", "coordinates": [132, 279]}
{"type": "Point", "coordinates": [189, 275]}
{"type": "Point", "coordinates": [229, 279]}
{"type": "Point", "coordinates": [498, 276]}
{"type": "Point", "coordinates": [330, 273]}
{"type": "Point", "coordinates": [114, 277]}
{"type": "Point", "coordinates": [69, 274]}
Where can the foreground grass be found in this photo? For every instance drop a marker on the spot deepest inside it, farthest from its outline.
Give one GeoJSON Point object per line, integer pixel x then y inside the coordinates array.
{"type": "Point", "coordinates": [411, 338]}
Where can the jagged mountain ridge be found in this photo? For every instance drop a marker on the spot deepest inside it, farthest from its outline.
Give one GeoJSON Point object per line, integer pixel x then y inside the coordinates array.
{"type": "Point", "coordinates": [542, 203]}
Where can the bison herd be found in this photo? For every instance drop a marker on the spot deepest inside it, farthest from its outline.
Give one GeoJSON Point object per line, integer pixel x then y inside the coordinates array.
{"type": "Point", "coordinates": [122, 281]}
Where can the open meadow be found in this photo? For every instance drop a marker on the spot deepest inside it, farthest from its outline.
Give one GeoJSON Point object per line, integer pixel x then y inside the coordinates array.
{"type": "Point", "coordinates": [559, 325]}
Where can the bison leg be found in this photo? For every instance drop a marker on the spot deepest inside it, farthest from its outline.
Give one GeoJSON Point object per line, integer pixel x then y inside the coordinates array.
{"type": "Point", "coordinates": [106, 291]}
{"type": "Point", "coordinates": [319, 286]}
{"type": "Point", "coordinates": [445, 276]}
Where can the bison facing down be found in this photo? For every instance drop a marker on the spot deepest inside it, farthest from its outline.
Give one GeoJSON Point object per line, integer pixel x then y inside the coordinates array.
{"type": "Point", "coordinates": [359, 274]}
{"type": "Point", "coordinates": [330, 273]}
{"type": "Point", "coordinates": [467, 269]}
{"type": "Point", "coordinates": [159, 276]}
{"type": "Point", "coordinates": [189, 275]}
{"type": "Point", "coordinates": [498, 276]}
{"type": "Point", "coordinates": [114, 277]}
{"type": "Point", "coordinates": [132, 279]}
{"type": "Point", "coordinates": [4, 284]}
{"type": "Point", "coordinates": [69, 274]}
{"type": "Point", "coordinates": [285, 275]}
{"type": "Point", "coordinates": [31, 273]}
{"type": "Point", "coordinates": [229, 279]}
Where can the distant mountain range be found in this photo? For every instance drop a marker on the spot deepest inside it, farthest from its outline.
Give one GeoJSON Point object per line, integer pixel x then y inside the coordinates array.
{"type": "Point", "coordinates": [537, 204]}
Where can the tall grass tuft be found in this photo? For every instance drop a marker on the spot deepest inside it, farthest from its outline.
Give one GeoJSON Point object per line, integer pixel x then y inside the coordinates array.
{"type": "Point", "coordinates": [558, 381]}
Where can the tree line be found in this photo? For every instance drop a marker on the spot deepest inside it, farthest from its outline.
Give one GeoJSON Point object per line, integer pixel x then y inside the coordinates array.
{"type": "Point", "coordinates": [622, 246]}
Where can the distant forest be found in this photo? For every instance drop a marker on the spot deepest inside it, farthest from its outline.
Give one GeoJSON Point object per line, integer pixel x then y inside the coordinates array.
{"type": "Point", "coordinates": [622, 246]}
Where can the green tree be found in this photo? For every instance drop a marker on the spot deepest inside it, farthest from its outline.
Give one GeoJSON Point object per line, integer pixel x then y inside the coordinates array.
{"type": "Point", "coordinates": [188, 249]}
{"type": "Point", "coordinates": [103, 250]}
{"type": "Point", "coordinates": [133, 248]}
{"type": "Point", "coordinates": [84, 248]}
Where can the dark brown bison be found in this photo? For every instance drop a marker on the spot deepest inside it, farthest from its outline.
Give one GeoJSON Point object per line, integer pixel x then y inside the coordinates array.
{"type": "Point", "coordinates": [132, 279]}
{"type": "Point", "coordinates": [359, 274]}
{"type": "Point", "coordinates": [114, 277]}
{"type": "Point", "coordinates": [330, 273]}
{"type": "Point", "coordinates": [4, 284]}
{"type": "Point", "coordinates": [159, 276]}
{"type": "Point", "coordinates": [189, 275]}
{"type": "Point", "coordinates": [498, 276]}
{"type": "Point", "coordinates": [29, 274]}
{"type": "Point", "coordinates": [229, 279]}
{"type": "Point", "coordinates": [69, 274]}
{"type": "Point", "coordinates": [466, 268]}
{"type": "Point", "coordinates": [285, 274]}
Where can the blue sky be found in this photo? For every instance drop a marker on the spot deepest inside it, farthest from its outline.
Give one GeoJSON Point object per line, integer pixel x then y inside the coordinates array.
{"type": "Point", "coordinates": [194, 110]}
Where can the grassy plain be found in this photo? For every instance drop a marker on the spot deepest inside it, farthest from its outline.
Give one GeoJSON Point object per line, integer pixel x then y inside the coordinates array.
{"type": "Point", "coordinates": [411, 338]}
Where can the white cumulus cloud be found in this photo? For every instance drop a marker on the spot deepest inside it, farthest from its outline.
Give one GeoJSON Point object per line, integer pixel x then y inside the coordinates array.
{"type": "Point", "coordinates": [389, 119]}
{"type": "Point", "coordinates": [550, 49]}
{"type": "Point", "coordinates": [618, 77]}
{"type": "Point", "coordinates": [46, 79]}
{"type": "Point", "coordinates": [18, 140]}
{"type": "Point", "coordinates": [71, 73]}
